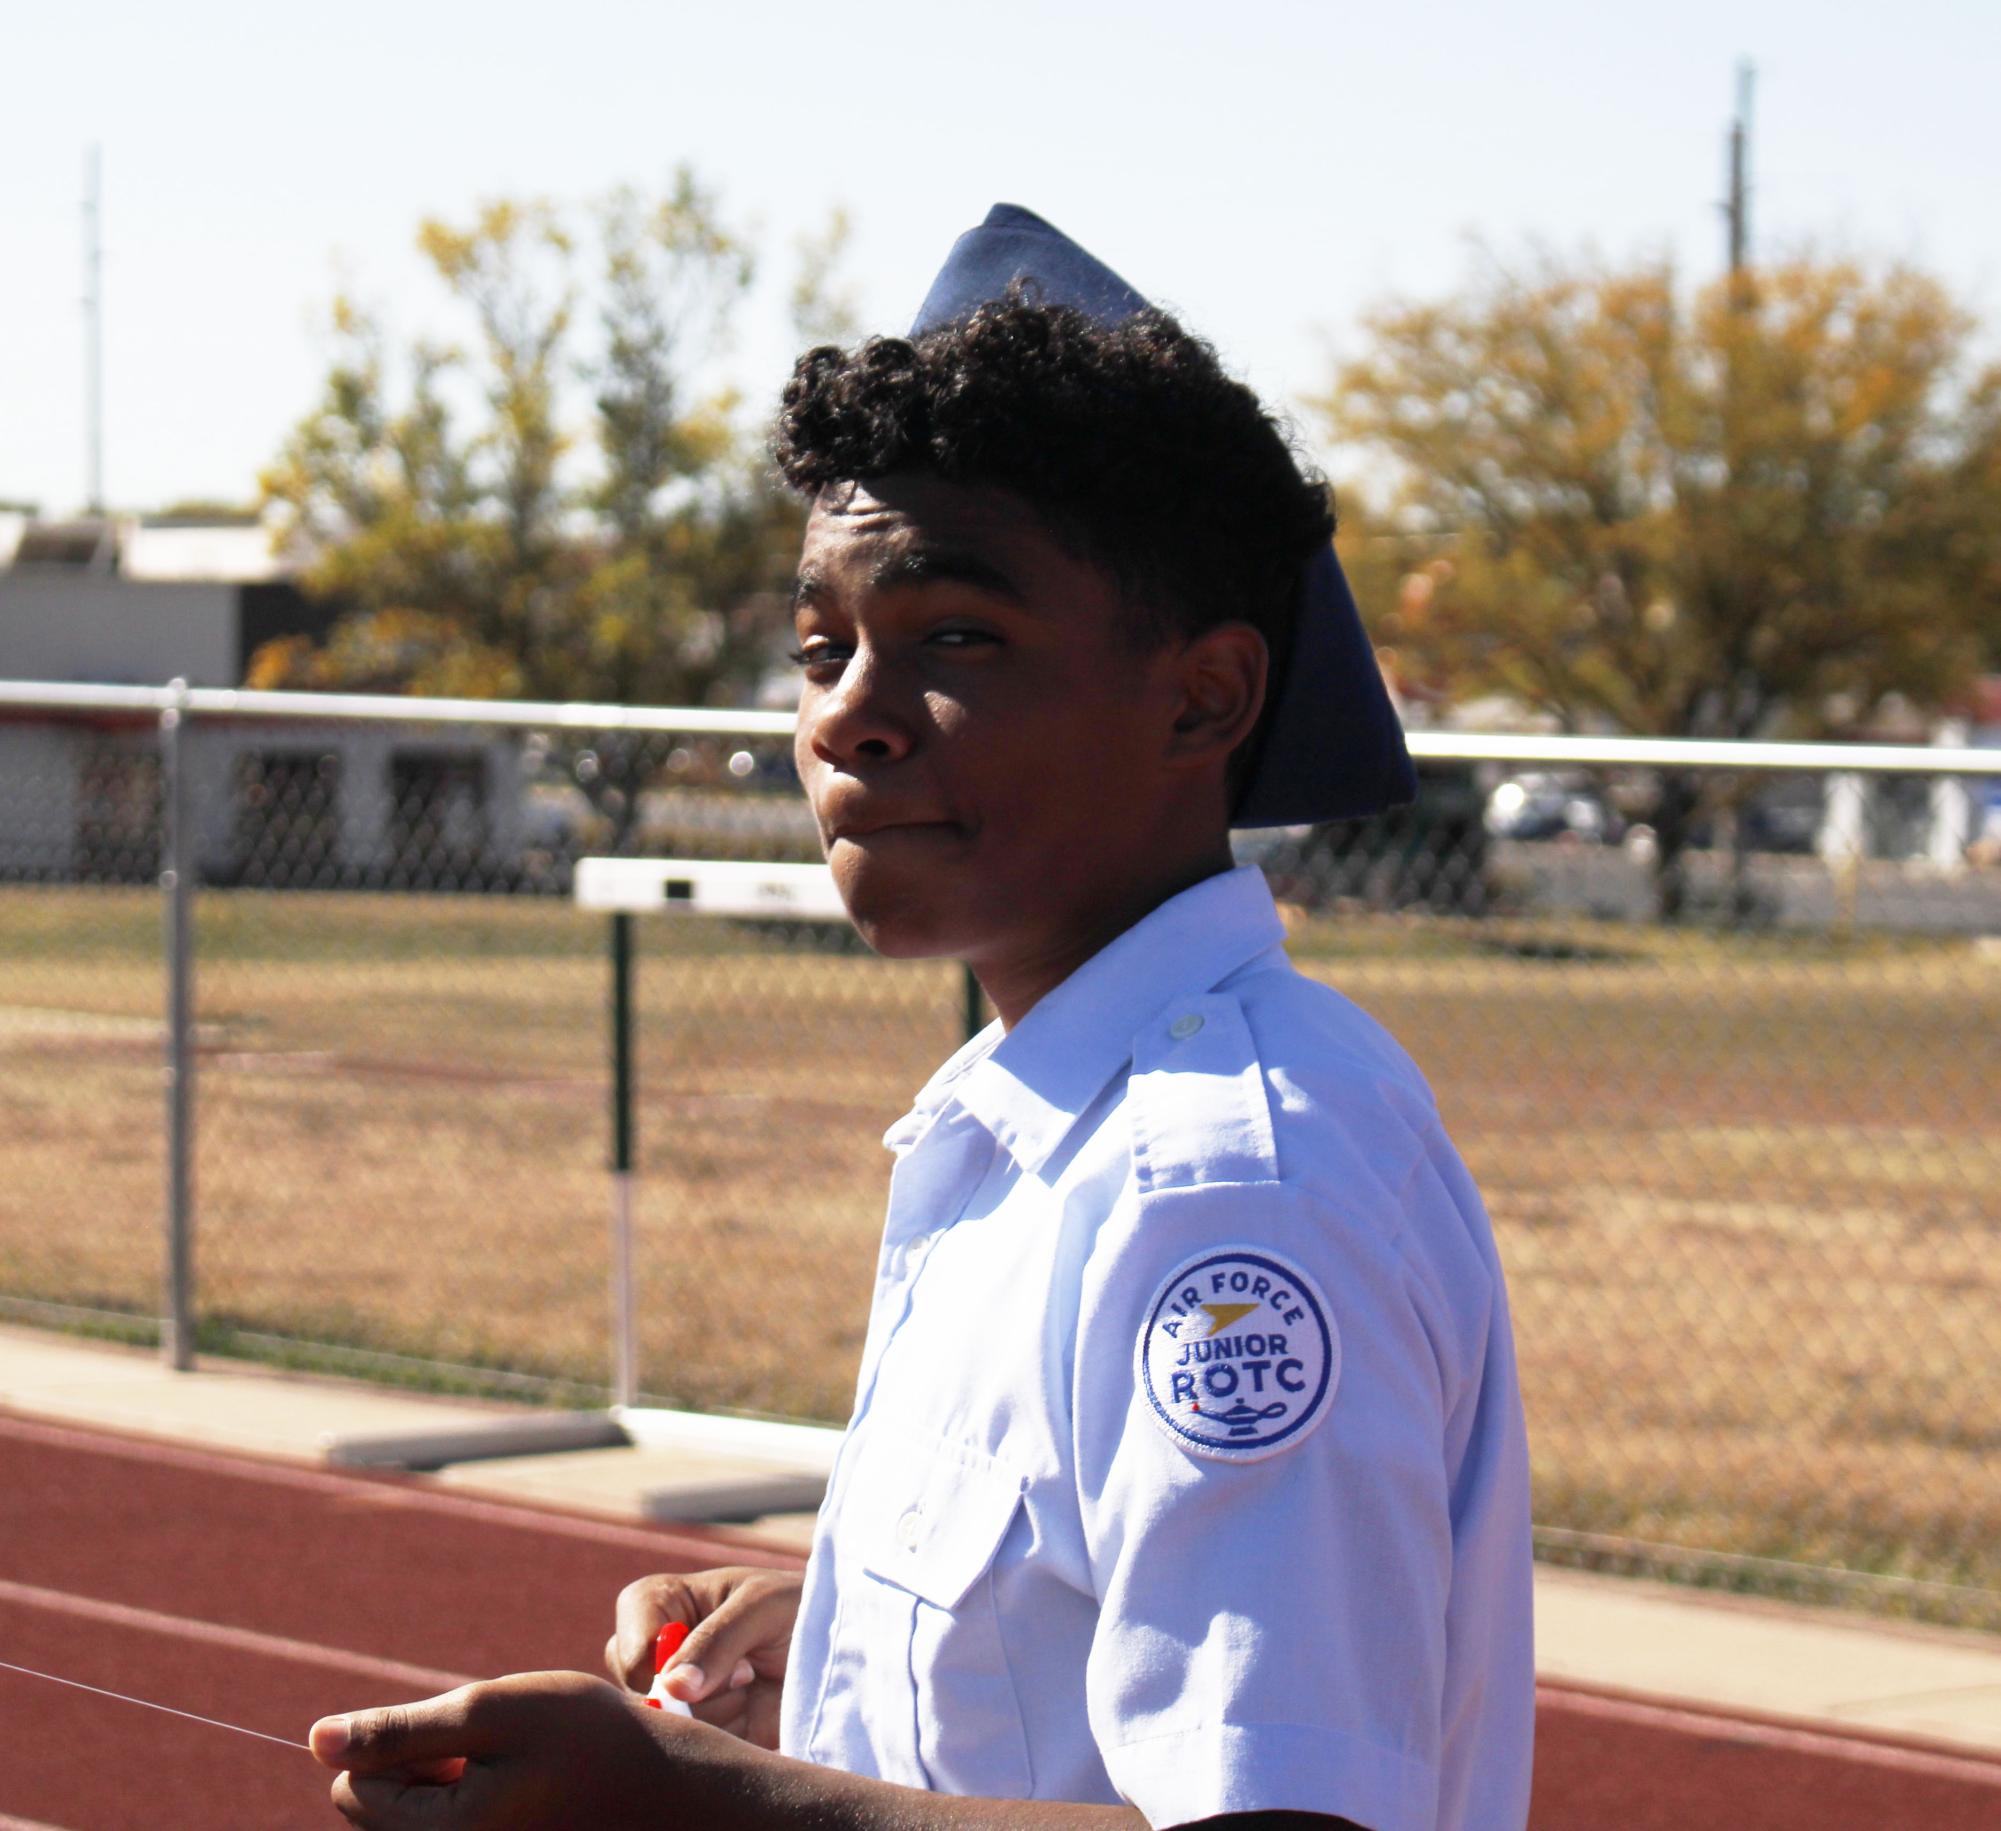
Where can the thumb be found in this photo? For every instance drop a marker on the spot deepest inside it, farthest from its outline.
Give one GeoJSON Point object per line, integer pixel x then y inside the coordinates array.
{"type": "Point", "coordinates": [403, 1735]}
{"type": "Point", "coordinates": [720, 1653]}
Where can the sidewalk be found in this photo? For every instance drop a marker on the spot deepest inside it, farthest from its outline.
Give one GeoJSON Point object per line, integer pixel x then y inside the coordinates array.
{"type": "Point", "coordinates": [1839, 1673]}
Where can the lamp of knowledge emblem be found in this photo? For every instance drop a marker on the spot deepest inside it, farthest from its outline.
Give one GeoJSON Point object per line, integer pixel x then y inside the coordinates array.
{"type": "Point", "coordinates": [1237, 1358]}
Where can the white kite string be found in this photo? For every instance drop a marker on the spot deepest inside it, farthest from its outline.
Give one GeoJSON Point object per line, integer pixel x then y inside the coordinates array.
{"type": "Point", "coordinates": [147, 1703]}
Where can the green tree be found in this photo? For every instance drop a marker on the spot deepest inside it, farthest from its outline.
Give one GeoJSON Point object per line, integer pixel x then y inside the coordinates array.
{"type": "Point", "coordinates": [485, 539]}
{"type": "Point", "coordinates": [1753, 511]}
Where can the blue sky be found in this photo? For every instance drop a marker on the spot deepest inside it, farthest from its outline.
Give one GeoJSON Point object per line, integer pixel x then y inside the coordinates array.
{"type": "Point", "coordinates": [1268, 167]}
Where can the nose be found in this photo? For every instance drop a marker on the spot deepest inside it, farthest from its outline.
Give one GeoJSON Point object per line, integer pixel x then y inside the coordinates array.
{"type": "Point", "coordinates": [861, 718]}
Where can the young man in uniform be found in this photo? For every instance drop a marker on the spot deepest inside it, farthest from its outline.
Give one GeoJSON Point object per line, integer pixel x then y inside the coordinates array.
{"type": "Point", "coordinates": [1186, 1480]}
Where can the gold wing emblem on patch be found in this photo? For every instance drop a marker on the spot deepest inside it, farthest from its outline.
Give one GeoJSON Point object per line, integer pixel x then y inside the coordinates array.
{"type": "Point", "coordinates": [1221, 1315]}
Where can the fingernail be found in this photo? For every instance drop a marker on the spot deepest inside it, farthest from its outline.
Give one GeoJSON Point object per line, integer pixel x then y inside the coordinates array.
{"type": "Point", "coordinates": [687, 1683]}
{"type": "Point", "coordinates": [745, 1672]}
{"type": "Point", "coordinates": [330, 1738]}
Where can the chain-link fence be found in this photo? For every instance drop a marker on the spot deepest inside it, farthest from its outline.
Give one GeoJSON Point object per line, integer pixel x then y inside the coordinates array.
{"type": "Point", "coordinates": [1744, 1163]}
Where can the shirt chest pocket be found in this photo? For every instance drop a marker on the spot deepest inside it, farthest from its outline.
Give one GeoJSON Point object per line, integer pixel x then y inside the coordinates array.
{"type": "Point", "coordinates": [930, 1520]}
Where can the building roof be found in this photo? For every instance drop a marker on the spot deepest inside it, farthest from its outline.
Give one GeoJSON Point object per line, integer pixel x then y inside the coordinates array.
{"type": "Point", "coordinates": [224, 547]}
{"type": "Point", "coordinates": [86, 545]}
{"type": "Point", "coordinates": [236, 548]}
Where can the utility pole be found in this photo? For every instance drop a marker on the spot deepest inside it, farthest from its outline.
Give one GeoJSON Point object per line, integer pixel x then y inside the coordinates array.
{"type": "Point", "coordinates": [1737, 215]}
{"type": "Point", "coordinates": [93, 321]}
{"type": "Point", "coordinates": [1737, 211]}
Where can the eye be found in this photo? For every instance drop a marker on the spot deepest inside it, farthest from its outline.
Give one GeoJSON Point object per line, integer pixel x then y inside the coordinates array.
{"type": "Point", "coordinates": [959, 637]}
{"type": "Point", "coordinates": [811, 655]}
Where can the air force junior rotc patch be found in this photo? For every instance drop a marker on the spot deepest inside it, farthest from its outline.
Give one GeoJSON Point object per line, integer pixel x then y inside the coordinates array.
{"type": "Point", "coordinates": [1237, 1357]}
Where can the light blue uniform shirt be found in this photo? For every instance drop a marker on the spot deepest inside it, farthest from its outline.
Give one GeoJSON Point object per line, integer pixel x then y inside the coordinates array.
{"type": "Point", "coordinates": [1187, 1463]}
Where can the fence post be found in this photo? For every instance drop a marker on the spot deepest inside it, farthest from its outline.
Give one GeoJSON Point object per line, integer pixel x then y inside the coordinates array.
{"type": "Point", "coordinates": [625, 1342]}
{"type": "Point", "coordinates": [1844, 839]}
{"type": "Point", "coordinates": [1950, 829]}
{"type": "Point", "coordinates": [177, 1334]}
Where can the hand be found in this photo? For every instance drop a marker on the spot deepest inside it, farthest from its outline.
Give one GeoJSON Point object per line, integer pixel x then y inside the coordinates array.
{"type": "Point", "coordinates": [538, 1749]}
{"type": "Point", "coordinates": [731, 1668]}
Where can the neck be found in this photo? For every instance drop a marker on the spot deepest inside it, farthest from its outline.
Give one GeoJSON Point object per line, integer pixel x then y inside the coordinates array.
{"type": "Point", "coordinates": [1016, 982]}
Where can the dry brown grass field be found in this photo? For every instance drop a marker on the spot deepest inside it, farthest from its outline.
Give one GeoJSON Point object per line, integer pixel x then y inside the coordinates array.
{"type": "Point", "coordinates": [1748, 1190]}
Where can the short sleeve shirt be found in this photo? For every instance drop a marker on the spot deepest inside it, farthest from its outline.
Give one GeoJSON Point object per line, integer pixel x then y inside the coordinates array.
{"type": "Point", "coordinates": [1187, 1463]}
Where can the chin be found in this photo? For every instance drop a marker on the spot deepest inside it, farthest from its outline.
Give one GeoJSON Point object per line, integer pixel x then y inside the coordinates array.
{"type": "Point", "coordinates": [901, 932]}
{"type": "Point", "coordinates": [899, 942]}
{"type": "Point", "coordinates": [898, 914]}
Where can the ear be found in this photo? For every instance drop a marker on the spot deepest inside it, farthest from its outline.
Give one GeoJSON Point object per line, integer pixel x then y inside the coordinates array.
{"type": "Point", "coordinates": [1220, 679]}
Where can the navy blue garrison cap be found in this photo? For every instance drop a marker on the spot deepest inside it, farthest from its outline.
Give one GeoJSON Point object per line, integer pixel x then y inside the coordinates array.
{"type": "Point", "coordinates": [1333, 748]}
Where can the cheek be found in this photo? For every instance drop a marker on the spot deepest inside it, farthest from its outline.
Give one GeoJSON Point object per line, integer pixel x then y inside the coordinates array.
{"type": "Point", "coordinates": [805, 762]}
{"type": "Point", "coordinates": [1099, 743]}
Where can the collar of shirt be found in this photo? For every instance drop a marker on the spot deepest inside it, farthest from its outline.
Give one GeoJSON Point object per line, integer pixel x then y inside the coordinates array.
{"type": "Point", "coordinates": [1027, 1086]}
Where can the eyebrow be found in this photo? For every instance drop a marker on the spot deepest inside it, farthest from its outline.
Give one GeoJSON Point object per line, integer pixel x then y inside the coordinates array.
{"type": "Point", "coordinates": [943, 566]}
{"type": "Point", "coordinates": [916, 567]}
{"type": "Point", "coordinates": [808, 588]}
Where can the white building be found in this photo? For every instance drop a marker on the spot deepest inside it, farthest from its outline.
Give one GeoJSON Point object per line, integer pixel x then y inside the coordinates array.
{"type": "Point", "coordinates": [142, 601]}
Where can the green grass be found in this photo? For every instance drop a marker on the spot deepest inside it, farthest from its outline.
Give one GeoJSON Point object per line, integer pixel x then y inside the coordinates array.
{"type": "Point", "coordinates": [1748, 1190]}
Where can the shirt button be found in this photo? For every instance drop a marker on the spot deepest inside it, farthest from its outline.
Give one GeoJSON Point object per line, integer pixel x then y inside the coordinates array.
{"type": "Point", "coordinates": [1182, 1028]}
{"type": "Point", "coordinates": [910, 1530]}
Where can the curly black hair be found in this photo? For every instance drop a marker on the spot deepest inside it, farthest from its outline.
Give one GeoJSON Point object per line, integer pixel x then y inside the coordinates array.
{"type": "Point", "coordinates": [1129, 441]}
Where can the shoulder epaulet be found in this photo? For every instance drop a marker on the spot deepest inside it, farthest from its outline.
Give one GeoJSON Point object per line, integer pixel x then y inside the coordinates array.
{"type": "Point", "coordinates": [1197, 1098]}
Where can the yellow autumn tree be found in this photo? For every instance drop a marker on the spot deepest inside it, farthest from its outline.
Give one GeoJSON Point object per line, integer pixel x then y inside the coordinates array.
{"type": "Point", "coordinates": [1754, 509]}
{"type": "Point", "coordinates": [560, 508]}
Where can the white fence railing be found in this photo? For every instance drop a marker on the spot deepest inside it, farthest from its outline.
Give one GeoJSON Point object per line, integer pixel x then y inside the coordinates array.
{"type": "Point", "coordinates": [1745, 1169]}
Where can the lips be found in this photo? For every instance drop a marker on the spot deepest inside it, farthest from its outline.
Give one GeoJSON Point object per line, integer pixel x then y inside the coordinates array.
{"type": "Point", "coordinates": [852, 822]}
{"type": "Point", "coordinates": [854, 831]}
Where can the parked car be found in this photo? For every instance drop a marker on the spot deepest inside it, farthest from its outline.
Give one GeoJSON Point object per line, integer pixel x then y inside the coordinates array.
{"type": "Point", "coordinates": [1548, 807]}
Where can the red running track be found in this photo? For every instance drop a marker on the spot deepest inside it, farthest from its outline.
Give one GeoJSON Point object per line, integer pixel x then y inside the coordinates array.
{"type": "Point", "coordinates": [267, 1595]}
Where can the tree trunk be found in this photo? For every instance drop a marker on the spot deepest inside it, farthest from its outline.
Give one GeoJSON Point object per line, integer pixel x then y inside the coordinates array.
{"type": "Point", "coordinates": [612, 786]}
{"type": "Point", "coordinates": [1743, 894]}
{"type": "Point", "coordinates": [1674, 815]}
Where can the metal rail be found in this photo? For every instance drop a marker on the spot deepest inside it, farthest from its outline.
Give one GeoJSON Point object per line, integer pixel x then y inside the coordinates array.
{"type": "Point", "coordinates": [1426, 746]}
{"type": "Point", "coordinates": [1707, 753]}
{"type": "Point", "coordinates": [396, 709]}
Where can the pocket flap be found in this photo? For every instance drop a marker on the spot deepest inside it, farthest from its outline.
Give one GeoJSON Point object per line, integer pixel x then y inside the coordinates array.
{"type": "Point", "coordinates": [935, 1513]}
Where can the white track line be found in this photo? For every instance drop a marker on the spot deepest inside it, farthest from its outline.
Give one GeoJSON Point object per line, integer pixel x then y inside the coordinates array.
{"type": "Point", "coordinates": [236, 1640]}
{"type": "Point", "coordinates": [1802, 1739]}
{"type": "Point", "coordinates": [382, 1492]}
{"type": "Point", "coordinates": [26, 1824]}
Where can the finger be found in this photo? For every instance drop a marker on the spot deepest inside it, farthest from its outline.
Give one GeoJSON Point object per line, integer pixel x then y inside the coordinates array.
{"type": "Point", "coordinates": [370, 1740]}
{"type": "Point", "coordinates": [475, 1719]}
{"type": "Point", "coordinates": [728, 1711]}
{"type": "Point", "coordinates": [725, 1705]}
{"type": "Point", "coordinates": [751, 1715]}
{"type": "Point", "coordinates": [436, 1773]}
{"type": "Point", "coordinates": [643, 1609]}
{"type": "Point", "coordinates": [382, 1805]}
{"type": "Point", "coordinates": [743, 1674]}
{"type": "Point", "coordinates": [749, 1622]}
{"type": "Point", "coordinates": [382, 1802]}
{"type": "Point", "coordinates": [764, 1717]}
